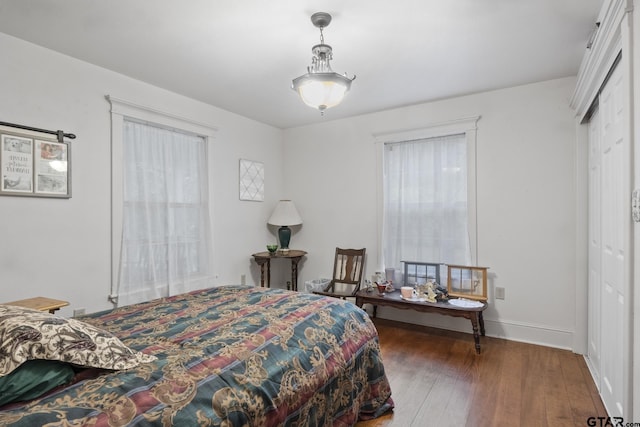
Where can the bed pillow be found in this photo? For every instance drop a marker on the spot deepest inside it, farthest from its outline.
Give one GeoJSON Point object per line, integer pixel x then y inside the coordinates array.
{"type": "Point", "coordinates": [27, 334]}
{"type": "Point", "coordinates": [33, 379]}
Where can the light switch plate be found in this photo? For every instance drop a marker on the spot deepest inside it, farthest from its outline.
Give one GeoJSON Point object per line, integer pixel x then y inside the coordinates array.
{"type": "Point", "coordinates": [635, 205]}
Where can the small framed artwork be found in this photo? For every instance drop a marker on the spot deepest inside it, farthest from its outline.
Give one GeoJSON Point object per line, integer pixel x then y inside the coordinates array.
{"type": "Point", "coordinates": [416, 273]}
{"type": "Point", "coordinates": [467, 282]}
{"type": "Point", "coordinates": [34, 166]}
{"type": "Point", "coordinates": [52, 167]}
{"type": "Point", "coordinates": [16, 159]}
{"type": "Point", "coordinates": [251, 180]}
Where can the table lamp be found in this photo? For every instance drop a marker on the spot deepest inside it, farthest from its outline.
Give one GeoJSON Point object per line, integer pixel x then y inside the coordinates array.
{"type": "Point", "coordinates": [284, 215]}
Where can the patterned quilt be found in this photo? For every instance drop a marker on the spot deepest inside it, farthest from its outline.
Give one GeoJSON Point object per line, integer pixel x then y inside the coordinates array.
{"type": "Point", "coordinates": [228, 356]}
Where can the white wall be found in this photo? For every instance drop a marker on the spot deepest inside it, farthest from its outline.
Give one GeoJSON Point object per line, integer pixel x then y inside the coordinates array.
{"type": "Point", "coordinates": [61, 248]}
{"type": "Point", "coordinates": [525, 190]}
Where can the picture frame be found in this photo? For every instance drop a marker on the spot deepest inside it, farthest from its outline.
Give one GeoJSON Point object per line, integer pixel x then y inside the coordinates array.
{"type": "Point", "coordinates": [251, 179]}
{"type": "Point", "coordinates": [34, 166]}
{"type": "Point", "coordinates": [416, 273]}
{"type": "Point", "coordinates": [465, 281]}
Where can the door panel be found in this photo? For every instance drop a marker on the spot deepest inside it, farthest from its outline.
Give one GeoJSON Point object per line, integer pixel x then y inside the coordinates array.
{"type": "Point", "coordinates": [614, 151]}
{"type": "Point", "coordinates": [594, 250]}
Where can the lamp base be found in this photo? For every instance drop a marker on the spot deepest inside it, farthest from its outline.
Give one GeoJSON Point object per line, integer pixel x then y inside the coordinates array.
{"type": "Point", "coordinates": [284, 235]}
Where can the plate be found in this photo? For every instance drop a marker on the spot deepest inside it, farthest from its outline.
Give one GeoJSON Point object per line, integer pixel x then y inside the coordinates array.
{"type": "Point", "coordinates": [413, 299]}
{"type": "Point", "coordinates": [465, 303]}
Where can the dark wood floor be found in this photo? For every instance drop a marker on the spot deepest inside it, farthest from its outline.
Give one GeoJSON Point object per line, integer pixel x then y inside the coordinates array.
{"type": "Point", "coordinates": [438, 380]}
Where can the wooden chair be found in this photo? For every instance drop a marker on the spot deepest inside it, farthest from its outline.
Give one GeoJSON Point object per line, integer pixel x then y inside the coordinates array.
{"type": "Point", "coordinates": [348, 267]}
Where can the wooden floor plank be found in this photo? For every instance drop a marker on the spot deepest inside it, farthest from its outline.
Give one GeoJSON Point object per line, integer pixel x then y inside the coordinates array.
{"type": "Point", "coordinates": [579, 390]}
{"type": "Point", "coordinates": [437, 379]}
{"type": "Point", "coordinates": [533, 409]}
{"type": "Point", "coordinates": [593, 390]}
{"type": "Point", "coordinates": [508, 393]}
{"type": "Point", "coordinates": [559, 410]}
{"type": "Point", "coordinates": [482, 408]}
{"type": "Point", "coordinates": [462, 372]}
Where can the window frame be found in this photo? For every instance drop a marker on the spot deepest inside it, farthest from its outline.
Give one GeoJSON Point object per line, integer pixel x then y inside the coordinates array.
{"type": "Point", "coordinates": [121, 109]}
{"type": "Point", "coordinates": [467, 126]}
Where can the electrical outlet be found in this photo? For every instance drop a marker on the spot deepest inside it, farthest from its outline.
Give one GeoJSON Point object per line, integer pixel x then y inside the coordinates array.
{"type": "Point", "coordinates": [79, 312]}
{"type": "Point", "coordinates": [243, 279]}
{"type": "Point", "coordinates": [499, 293]}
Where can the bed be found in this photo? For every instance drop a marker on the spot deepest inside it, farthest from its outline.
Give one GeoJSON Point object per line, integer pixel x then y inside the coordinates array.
{"type": "Point", "coordinates": [225, 356]}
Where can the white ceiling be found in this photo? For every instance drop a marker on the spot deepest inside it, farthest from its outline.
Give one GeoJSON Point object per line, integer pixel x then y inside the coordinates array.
{"type": "Point", "coordinates": [241, 55]}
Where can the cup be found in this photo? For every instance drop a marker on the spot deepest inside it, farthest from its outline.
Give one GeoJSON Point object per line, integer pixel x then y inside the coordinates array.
{"type": "Point", "coordinates": [381, 288]}
{"type": "Point", "coordinates": [408, 292]}
{"type": "Point", "coordinates": [272, 248]}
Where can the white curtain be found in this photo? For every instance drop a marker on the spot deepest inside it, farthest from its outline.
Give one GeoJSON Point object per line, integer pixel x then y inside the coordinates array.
{"type": "Point", "coordinates": [425, 202]}
{"type": "Point", "coordinates": [166, 238]}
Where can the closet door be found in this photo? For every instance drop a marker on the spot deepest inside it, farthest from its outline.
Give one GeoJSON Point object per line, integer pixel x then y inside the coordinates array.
{"type": "Point", "coordinates": [614, 165]}
{"type": "Point", "coordinates": [595, 250]}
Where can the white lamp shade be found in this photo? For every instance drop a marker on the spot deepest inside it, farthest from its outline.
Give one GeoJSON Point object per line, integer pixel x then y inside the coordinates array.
{"type": "Point", "coordinates": [285, 214]}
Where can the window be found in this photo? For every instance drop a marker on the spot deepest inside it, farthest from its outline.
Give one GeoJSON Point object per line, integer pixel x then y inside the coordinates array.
{"type": "Point", "coordinates": [165, 212]}
{"type": "Point", "coordinates": [161, 240]}
{"type": "Point", "coordinates": [428, 196]}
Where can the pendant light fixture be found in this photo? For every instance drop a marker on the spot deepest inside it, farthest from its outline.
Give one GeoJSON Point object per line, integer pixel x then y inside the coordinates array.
{"type": "Point", "coordinates": [321, 87]}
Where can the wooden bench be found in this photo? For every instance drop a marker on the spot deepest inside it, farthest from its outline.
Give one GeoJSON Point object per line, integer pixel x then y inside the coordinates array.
{"type": "Point", "coordinates": [394, 299]}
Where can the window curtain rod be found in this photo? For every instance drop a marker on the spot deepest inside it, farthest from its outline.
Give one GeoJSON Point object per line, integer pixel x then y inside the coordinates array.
{"type": "Point", "coordinates": [60, 134]}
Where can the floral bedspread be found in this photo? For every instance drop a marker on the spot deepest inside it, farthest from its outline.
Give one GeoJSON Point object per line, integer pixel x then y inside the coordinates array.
{"type": "Point", "coordinates": [229, 356]}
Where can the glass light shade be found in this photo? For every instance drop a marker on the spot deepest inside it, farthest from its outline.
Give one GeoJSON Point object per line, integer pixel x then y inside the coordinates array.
{"type": "Point", "coordinates": [322, 90]}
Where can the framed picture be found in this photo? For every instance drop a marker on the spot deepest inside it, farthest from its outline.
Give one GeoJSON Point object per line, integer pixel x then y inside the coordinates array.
{"type": "Point", "coordinates": [416, 273]}
{"type": "Point", "coordinates": [34, 166]}
{"type": "Point", "coordinates": [467, 282]}
{"type": "Point", "coordinates": [251, 180]}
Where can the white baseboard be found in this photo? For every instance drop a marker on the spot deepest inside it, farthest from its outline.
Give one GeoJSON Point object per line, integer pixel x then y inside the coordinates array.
{"type": "Point", "coordinates": [594, 373]}
{"type": "Point", "coordinates": [514, 331]}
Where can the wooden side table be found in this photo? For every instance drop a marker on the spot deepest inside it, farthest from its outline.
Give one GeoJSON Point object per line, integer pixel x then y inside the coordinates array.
{"type": "Point", "coordinates": [264, 260]}
{"type": "Point", "coordinates": [40, 303]}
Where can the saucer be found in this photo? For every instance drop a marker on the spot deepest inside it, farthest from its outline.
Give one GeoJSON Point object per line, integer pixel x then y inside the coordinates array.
{"type": "Point", "coordinates": [465, 303]}
{"type": "Point", "coordinates": [414, 299]}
